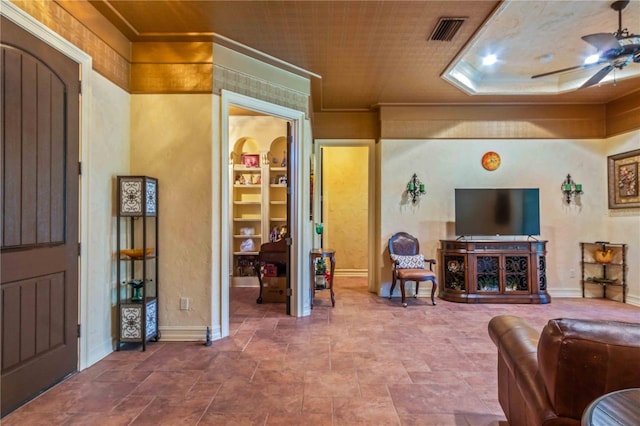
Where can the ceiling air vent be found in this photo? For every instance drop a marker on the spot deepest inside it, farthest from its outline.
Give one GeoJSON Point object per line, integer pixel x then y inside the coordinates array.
{"type": "Point", "coordinates": [446, 29]}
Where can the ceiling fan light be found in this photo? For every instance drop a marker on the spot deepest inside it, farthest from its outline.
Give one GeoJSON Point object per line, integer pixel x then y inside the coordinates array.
{"type": "Point", "coordinates": [489, 60]}
{"type": "Point", "coordinates": [592, 59]}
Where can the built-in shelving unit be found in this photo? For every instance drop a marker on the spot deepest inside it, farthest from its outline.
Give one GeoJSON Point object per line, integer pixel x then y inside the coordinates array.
{"type": "Point", "coordinates": [258, 207]}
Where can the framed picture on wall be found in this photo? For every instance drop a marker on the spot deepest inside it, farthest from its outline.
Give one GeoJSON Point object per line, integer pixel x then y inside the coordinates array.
{"type": "Point", "coordinates": [250, 160]}
{"type": "Point", "coordinates": [622, 174]}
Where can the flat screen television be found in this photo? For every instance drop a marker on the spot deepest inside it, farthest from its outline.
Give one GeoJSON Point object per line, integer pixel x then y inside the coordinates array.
{"type": "Point", "coordinates": [497, 211]}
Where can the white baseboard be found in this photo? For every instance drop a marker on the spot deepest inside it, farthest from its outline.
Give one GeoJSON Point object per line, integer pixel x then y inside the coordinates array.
{"type": "Point", "coordinates": [577, 293]}
{"type": "Point", "coordinates": [96, 354]}
{"type": "Point", "coordinates": [565, 293]}
{"type": "Point", "coordinates": [352, 273]}
{"type": "Point", "coordinates": [633, 300]}
{"type": "Point", "coordinates": [194, 333]}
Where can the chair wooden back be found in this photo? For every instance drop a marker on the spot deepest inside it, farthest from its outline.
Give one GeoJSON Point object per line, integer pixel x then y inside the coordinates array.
{"type": "Point", "coordinates": [404, 244]}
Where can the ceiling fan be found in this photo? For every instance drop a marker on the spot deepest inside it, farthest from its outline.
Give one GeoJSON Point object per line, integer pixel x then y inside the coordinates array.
{"type": "Point", "coordinates": [615, 50]}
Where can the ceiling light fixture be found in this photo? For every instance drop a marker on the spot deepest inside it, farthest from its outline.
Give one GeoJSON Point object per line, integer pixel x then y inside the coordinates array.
{"type": "Point", "coordinates": [489, 60]}
{"type": "Point", "coordinates": [592, 59]}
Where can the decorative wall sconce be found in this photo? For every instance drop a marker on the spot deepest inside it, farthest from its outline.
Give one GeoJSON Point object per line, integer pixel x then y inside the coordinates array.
{"type": "Point", "coordinates": [570, 189]}
{"type": "Point", "coordinates": [415, 188]}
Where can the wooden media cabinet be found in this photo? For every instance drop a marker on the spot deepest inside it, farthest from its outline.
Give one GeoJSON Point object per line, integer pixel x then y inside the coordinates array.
{"type": "Point", "coordinates": [493, 271]}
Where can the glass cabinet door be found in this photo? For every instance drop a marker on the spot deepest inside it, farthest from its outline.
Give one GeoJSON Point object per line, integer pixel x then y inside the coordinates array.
{"type": "Point", "coordinates": [488, 273]}
{"type": "Point", "coordinates": [454, 272]}
{"type": "Point", "coordinates": [516, 273]}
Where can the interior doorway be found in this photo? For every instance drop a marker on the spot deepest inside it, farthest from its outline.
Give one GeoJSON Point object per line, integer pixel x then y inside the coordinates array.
{"type": "Point", "coordinates": [295, 178]}
{"type": "Point", "coordinates": [345, 190]}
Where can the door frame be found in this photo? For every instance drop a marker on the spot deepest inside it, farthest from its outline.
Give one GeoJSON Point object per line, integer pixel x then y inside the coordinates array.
{"type": "Point", "coordinates": [37, 29]}
{"type": "Point", "coordinates": [298, 171]}
{"type": "Point", "coordinates": [372, 219]}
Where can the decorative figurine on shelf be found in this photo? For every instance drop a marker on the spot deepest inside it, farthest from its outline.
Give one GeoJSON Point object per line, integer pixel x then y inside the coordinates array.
{"type": "Point", "coordinates": [241, 181]}
{"type": "Point", "coordinates": [136, 290]}
{"type": "Point", "coordinates": [257, 180]}
{"type": "Point", "coordinates": [277, 233]}
{"type": "Point", "coordinates": [273, 235]}
{"type": "Point", "coordinates": [284, 159]}
{"type": "Point", "coordinates": [247, 245]}
{"type": "Point", "coordinates": [237, 181]}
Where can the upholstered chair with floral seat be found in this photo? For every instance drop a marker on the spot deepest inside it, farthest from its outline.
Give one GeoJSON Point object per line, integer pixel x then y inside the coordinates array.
{"type": "Point", "coordinates": [410, 265]}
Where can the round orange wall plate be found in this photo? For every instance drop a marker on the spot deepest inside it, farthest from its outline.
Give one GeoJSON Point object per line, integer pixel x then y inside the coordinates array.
{"type": "Point", "coordinates": [491, 160]}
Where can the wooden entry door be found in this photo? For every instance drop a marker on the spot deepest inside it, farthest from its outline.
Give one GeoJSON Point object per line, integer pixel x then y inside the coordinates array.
{"type": "Point", "coordinates": [39, 225]}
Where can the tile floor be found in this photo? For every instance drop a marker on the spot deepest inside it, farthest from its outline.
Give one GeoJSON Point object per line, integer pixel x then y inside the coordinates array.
{"type": "Point", "coordinates": [368, 361]}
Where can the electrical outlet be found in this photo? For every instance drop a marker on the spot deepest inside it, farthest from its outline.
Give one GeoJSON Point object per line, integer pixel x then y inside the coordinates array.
{"type": "Point", "coordinates": [184, 303]}
{"type": "Point", "coordinates": [572, 273]}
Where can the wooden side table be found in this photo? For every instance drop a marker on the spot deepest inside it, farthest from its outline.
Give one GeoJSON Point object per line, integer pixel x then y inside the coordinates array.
{"type": "Point", "coordinates": [321, 253]}
{"type": "Point", "coordinates": [616, 408]}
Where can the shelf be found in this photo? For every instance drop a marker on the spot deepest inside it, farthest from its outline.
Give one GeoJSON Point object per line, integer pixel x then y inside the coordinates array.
{"type": "Point", "coordinates": [611, 273]}
{"type": "Point", "coordinates": [606, 281]}
{"type": "Point", "coordinates": [136, 302]}
{"type": "Point", "coordinates": [137, 320]}
{"type": "Point", "coordinates": [126, 258]}
{"type": "Point", "coordinates": [256, 194]}
{"type": "Point", "coordinates": [242, 168]}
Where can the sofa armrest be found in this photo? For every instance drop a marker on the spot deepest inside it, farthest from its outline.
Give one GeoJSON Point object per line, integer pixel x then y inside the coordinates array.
{"type": "Point", "coordinates": [521, 390]}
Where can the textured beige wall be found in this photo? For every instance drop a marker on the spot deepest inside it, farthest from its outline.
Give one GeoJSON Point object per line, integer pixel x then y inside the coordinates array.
{"type": "Point", "coordinates": [171, 140]}
{"type": "Point", "coordinates": [345, 184]}
{"type": "Point", "coordinates": [108, 150]}
{"type": "Point", "coordinates": [525, 163]}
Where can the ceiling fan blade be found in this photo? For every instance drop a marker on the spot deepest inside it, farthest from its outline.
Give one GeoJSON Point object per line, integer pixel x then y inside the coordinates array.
{"type": "Point", "coordinates": [603, 41]}
{"type": "Point", "coordinates": [558, 71]}
{"type": "Point", "coordinates": [577, 67]}
{"type": "Point", "coordinates": [595, 79]}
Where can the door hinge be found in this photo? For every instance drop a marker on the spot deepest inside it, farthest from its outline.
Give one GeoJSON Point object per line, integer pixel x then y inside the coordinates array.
{"type": "Point", "coordinates": [80, 87]}
{"type": "Point", "coordinates": [78, 330]}
{"type": "Point", "coordinates": [289, 292]}
{"type": "Point", "coordinates": [288, 240]}
{"type": "Point", "coordinates": [80, 168]}
{"type": "Point", "coordinates": [79, 248]}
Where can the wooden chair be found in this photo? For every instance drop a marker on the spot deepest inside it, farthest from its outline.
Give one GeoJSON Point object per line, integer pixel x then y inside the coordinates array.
{"type": "Point", "coordinates": [276, 253]}
{"type": "Point", "coordinates": [410, 265]}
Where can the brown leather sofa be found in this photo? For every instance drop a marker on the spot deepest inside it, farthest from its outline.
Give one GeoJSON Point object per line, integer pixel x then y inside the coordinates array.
{"type": "Point", "coordinates": [549, 378]}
